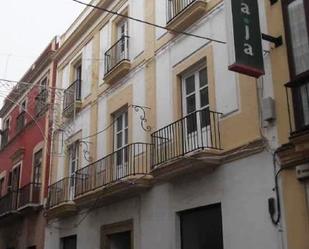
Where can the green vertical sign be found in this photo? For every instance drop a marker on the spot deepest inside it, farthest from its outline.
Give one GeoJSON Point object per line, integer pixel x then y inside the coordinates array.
{"type": "Point", "coordinates": [247, 38]}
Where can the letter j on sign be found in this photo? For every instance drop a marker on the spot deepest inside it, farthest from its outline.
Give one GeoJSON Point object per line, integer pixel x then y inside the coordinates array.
{"type": "Point", "coordinates": [244, 33]}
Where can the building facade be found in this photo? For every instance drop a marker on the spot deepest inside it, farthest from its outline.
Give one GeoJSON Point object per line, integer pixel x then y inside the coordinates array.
{"type": "Point", "coordinates": [25, 155]}
{"type": "Point", "coordinates": [290, 76]}
{"type": "Point", "coordinates": [145, 139]}
{"type": "Point", "coordinates": [159, 145]}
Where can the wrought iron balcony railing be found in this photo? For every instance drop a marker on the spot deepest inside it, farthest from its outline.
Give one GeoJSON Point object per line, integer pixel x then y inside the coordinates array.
{"type": "Point", "coordinates": [20, 123]}
{"type": "Point", "coordinates": [197, 131]}
{"type": "Point", "coordinates": [298, 105]}
{"type": "Point", "coordinates": [16, 199]}
{"type": "Point", "coordinates": [61, 192]}
{"type": "Point", "coordinates": [29, 195]}
{"type": "Point", "coordinates": [8, 202]}
{"type": "Point", "coordinates": [132, 160]}
{"type": "Point", "coordinates": [4, 138]}
{"type": "Point", "coordinates": [72, 94]}
{"type": "Point", "coordinates": [175, 7]}
{"type": "Point", "coordinates": [116, 54]}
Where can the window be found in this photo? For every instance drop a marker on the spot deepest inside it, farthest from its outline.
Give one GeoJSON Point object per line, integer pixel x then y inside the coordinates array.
{"type": "Point", "coordinates": [122, 32]}
{"type": "Point", "coordinates": [5, 133]}
{"type": "Point", "coordinates": [1, 186]}
{"type": "Point", "coordinates": [307, 192]}
{"type": "Point", "coordinates": [120, 143]}
{"type": "Point", "coordinates": [20, 120]}
{"type": "Point", "coordinates": [6, 124]}
{"type": "Point", "coordinates": [42, 96]}
{"type": "Point", "coordinates": [117, 235]}
{"type": "Point", "coordinates": [37, 167]}
{"type": "Point", "coordinates": [68, 242]}
{"type": "Point", "coordinates": [120, 240]}
{"type": "Point", "coordinates": [23, 105]}
{"type": "Point", "coordinates": [78, 80]}
{"type": "Point", "coordinates": [15, 178]}
{"type": "Point", "coordinates": [297, 27]}
{"type": "Point", "coordinates": [201, 228]}
{"type": "Point", "coordinates": [298, 34]}
{"type": "Point", "coordinates": [195, 100]}
{"type": "Point", "coordinates": [73, 165]}
{"type": "Point", "coordinates": [43, 83]}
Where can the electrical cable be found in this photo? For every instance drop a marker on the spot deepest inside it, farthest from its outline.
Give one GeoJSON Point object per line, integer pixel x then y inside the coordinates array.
{"type": "Point", "coordinates": [149, 23]}
{"type": "Point", "coordinates": [28, 83]}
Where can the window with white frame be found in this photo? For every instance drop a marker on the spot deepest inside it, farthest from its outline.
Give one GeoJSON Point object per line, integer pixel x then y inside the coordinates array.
{"type": "Point", "coordinates": [121, 141]}
{"type": "Point", "coordinates": [195, 99]}
{"type": "Point", "coordinates": [73, 151]}
{"type": "Point", "coordinates": [122, 31]}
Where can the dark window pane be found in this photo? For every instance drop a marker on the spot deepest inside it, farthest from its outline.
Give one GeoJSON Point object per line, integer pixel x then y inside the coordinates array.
{"type": "Point", "coordinates": [305, 102]}
{"type": "Point", "coordinates": [126, 136]}
{"type": "Point", "coordinates": [119, 157]}
{"type": "Point", "coordinates": [126, 119]}
{"type": "Point", "coordinates": [202, 228]}
{"type": "Point", "coordinates": [203, 77]}
{"type": "Point", "coordinates": [190, 84]}
{"type": "Point", "coordinates": [37, 167]}
{"type": "Point", "coordinates": [119, 123]}
{"type": "Point", "coordinates": [191, 123]}
{"type": "Point", "coordinates": [119, 140]}
{"type": "Point", "coordinates": [301, 106]}
{"type": "Point", "coordinates": [205, 117]}
{"type": "Point", "coordinates": [204, 97]}
{"type": "Point", "coordinates": [120, 240]}
{"type": "Point", "coordinates": [191, 106]}
{"type": "Point", "coordinates": [126, 154]}
{"type": "Point", "coordinates": [68, 242]}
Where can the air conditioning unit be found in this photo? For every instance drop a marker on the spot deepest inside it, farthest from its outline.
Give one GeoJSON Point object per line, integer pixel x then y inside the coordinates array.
{"type": "Point", "coordinates": [302, 171]}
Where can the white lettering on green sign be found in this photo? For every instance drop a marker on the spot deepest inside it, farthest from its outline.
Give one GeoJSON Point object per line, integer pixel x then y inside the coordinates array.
{"type": "Point", "coordinates": [248, 48]}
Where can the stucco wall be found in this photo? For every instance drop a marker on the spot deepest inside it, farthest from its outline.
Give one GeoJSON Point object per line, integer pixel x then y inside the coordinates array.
{"type": "Point", "coordinates": [242, 187]}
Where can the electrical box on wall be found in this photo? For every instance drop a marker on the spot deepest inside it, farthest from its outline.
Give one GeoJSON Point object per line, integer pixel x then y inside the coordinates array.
{"type": "Point", "coordinates": [302, 171]}
{"type": "Point", "coordinates": [268, 109]}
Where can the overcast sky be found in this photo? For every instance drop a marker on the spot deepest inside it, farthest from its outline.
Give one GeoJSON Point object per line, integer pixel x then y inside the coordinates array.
{"type": "Point", "coordinates": [26, 28]}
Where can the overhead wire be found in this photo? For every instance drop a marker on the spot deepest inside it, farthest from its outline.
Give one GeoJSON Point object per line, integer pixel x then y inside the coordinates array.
{"type": "Point", "coordinates": [149, 23]}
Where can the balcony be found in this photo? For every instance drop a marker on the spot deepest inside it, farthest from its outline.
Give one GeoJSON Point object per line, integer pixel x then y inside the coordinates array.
{"type": "Point", "coordinates": [20, 122]}
{"type": "Point", "coordinates": [4, 138]}
{"type": "Point", "coordinates": [116, 60]}
{"type": "Point", "coordinates": [60, 198]}
{"type": "Point", "coordinates": [25, 199]}
{"type": "Point", "coordinates": [29, 197]}
{"type": "Point", "coordinates": [124, 172]}
{"type": "Point", "coordinates": [8, 204]}
{"type": "Point", "coordinates": [192, 139]}
{"type": "Point", "coordinates": [183, 13]}
{"type": "Point", "coordinates": [72, 99]}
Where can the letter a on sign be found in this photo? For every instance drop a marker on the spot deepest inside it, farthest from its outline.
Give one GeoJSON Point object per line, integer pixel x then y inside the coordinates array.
{"type": "Point", "coordinates": [244, 37]}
